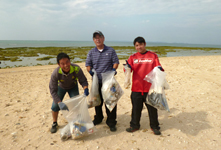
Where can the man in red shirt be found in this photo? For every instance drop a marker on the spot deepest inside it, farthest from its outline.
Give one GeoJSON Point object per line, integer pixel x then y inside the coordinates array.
{"type": "Point", "coordinates": [141, 63]}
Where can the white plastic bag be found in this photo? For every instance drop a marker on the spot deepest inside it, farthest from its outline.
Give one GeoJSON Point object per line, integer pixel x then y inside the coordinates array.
{"type": "Point", "coordinates": [65, 132]}
{"type": "Point", "coordinates": [111, 90]}
{"type": "Point", "coordinates": [156, 96]}
{"type": "Point", "coordinates": [94, 97]}
{"type": "Point", "coordinates": [127, 73]}
{"type": "Point", "coordinates": [78, 117]}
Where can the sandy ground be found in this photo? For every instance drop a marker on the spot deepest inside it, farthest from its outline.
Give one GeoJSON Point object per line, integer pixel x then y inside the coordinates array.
{"type": "Point", "coordinates": [194, 121]}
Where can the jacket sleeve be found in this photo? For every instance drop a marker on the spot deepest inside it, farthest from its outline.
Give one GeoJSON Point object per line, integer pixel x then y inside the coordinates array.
{"type": "Point", "coordinates": [53, 86]}
{"type": "Point", "coordinates": [130, 62]}
{"type": "Point", "coordinates": [81, 78]}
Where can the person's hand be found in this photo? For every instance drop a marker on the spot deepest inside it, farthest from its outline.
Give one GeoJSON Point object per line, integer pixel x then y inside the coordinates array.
{"type": "Point", "coordinates": [91, 72]}
{"type": "Point", "coordinates": [86, 92]}
{"type": "Point", "coordinates": [160, 68]}
{"type": "Point", "coordinates": [114, 71]}
{"type": "Point", "coordinates": [63, 106]}
{"type": "Point", "coordinates": [128, 64]}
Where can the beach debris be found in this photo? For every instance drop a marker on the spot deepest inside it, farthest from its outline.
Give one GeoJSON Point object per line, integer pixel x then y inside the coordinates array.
{"type": "Point", "coordinates": [79, 121]}
{"type": "Point", "coordinates": [8, 104]}
{"type": "Point", "coordinates": [111, 90]}
{"type": "Point", "coordinates": [127, 72]}
{"type": "Point", "coordinates": [14, 134]}
{"type": "Point", "coordinates": [156, 95]}
{"type": "Point", "coordinates": [94, 97]}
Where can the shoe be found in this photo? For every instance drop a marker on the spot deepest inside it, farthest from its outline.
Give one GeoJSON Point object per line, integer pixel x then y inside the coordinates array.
{"type": "Point", "coordinates": [156, 131]}
{"type": "Point", "coordinates": [131, 129]}
{"type": "Point", "coordinates": [95, 122]}
{"type": "Point", "coordinates": [113, 129]}
{"type": "Point", "coordinates": [54, 127]}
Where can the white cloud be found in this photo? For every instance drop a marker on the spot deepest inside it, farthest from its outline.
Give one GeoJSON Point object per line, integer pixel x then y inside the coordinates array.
{"type": "Point", "coordinates": [82, 16]}
{"type": "Point", "coordinates": [112, 8]}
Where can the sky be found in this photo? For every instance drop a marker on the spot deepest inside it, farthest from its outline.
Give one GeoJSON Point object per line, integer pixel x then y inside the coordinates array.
{"type": "Point", "coordinates": [170, 21]}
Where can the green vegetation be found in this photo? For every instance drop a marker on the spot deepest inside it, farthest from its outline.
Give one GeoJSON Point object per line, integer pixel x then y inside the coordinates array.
{"type": "Point", "coordinates": [79, 54]}
{"type": "Point", "coordinates": [12, 59]}
{"type": "Point", "coordinates": [45, 58]}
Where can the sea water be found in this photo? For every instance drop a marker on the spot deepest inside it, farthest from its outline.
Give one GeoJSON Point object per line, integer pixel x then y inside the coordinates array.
{"type": "Point", "coordinates": [27, 43]}
{"type": "Point", "coordinates": [31, 61]}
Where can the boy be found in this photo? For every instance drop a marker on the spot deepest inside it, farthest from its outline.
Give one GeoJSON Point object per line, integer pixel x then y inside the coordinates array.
{"type": "Point", "coordinates": [64, 79]}
{"type": "Point", "coordinates": [141, 63]}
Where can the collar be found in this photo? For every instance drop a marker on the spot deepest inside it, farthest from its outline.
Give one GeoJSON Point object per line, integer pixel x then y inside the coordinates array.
{"type": "Point", "coordinates": [144, 53]}
{"type": "Point", "coordinates": [105, 47]}
{"type": "Point", "coordinates": [71, 70]}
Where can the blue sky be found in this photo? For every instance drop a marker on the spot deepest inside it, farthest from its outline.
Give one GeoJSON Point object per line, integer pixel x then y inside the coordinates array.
{"type": "Point", "coordinates": [172, 21]}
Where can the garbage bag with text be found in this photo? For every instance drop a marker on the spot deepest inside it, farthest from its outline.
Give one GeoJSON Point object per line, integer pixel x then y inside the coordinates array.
{"type": "Point", "coordinates": [79, 121]}
{"type": "Point", "coordinates": [127, 72]}
{"type": "Point", "coordinates": [111, 90]}
{"type": "Point", "coordinates": [156, 96]}
{"type": "Point", "coordinates": [94, 97]}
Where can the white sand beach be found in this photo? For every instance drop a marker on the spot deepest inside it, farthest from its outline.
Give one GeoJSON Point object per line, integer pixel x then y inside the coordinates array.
{"type": "Point", "coordinates": [194, 120]}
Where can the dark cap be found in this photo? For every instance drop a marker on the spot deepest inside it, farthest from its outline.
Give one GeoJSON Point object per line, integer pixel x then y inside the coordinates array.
{"type": "Point", "coordinates": [97, 32]}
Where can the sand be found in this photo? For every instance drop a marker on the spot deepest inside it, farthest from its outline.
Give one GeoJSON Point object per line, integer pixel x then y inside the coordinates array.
{"type": "Point", "coordinates": [194, 120]}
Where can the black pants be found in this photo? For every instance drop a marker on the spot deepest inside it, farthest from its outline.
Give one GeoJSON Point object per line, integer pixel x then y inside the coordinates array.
{"type": "Point", "coordinates": [111, 116]}
{"type": "Point", "coordinates": [137, 100]}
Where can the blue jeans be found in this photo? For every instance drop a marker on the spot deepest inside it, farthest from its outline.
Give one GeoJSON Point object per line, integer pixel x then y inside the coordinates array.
{"type": "Point", "coordinates": [61, 93]}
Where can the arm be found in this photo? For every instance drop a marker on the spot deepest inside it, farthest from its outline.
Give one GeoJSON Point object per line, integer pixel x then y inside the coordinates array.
{"type": "Point", "coordinates": [88, 63]}
{"type": "Point", "coordinates": [88, 68]}
{"type": "Point", "coordinates": [129, 62]}
{"type": "Point", "coordinates": [115, 61]}
{"type": "Point", "coordinates": [157, 63]}
{"type": "Point", "coordinates": [53, 86]}
{"type": "Point", "coordinates": [83, 81]}
{"type": "Point", "coordinates": [115, 66]}
{"type": "Point", "coordinates": [85, 87]}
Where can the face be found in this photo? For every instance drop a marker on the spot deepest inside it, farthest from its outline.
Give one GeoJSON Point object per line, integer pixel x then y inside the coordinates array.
{"type": "Point", "coordinates": [98, 40]}
{"type": "Point", "coordinates": [65, 63]}
{"type": "Point", "coordinates": [140, 47]}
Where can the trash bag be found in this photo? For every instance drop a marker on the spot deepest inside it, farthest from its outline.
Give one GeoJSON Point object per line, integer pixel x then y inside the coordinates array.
{"type": "Point", "coordinates": [65, 133]}
{"type": "Point", "coordinates": [127, 72]}
{"type": "Point", "coordinates": [111, 90]}
{"type": "Point", "coordinates": [94, 97]}
{"type": "Point", "coordinates": [79, 121]}
{"type": "Point", "coordinates": [156, 96]}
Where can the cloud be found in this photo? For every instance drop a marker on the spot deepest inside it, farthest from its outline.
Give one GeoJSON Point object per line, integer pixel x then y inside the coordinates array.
{"type": "Point", "coordinates": [129, 17]}
{"type": "Point", "coordinates": [111, 8]}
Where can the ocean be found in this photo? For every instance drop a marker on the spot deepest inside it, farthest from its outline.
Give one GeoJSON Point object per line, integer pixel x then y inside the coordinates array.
{"type": "Point", "coordinates": [27, 43]}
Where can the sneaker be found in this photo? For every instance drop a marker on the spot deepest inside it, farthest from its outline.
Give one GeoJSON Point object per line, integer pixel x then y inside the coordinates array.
{"type": "Point", "coordinates": [113, 129]}
{"type": "Point", "coordinates": [54, 127]}
{"type": "Point", "coordinates": [131, 129]}
{"type": "Point", "coordinates": [156, 131]}
{"type": "Point", "coordinates": [95, 122]}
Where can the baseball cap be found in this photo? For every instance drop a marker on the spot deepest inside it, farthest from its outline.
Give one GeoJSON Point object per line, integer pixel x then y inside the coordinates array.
{"type": "Point", "coordinates": [97, 32]}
